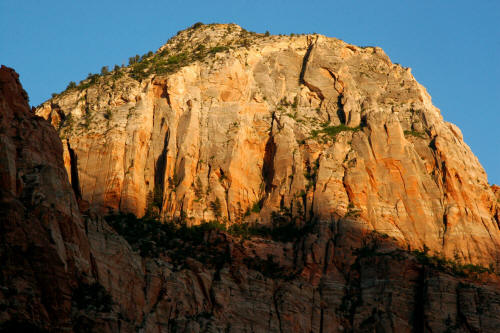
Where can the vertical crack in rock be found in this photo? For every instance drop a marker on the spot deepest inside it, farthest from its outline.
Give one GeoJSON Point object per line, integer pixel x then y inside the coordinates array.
{"type": "Point", "coordinates": [275, 301]}
{"type": "Point", "coordinates": [303, 73]}
{"type": "Point", "coordinates": [305, 60]}
{"type": "Point", "coordinates": [75, 182]}
{"type": "Point", "coordinates": [268, 167]}
{"type": "Point", "coordinates": [160, 167]}
{"type": "Point", "coordinates": [340, 90]}
{"type": "Point", "coordinates": [340, 109]}
{"type": "Point", "coordinates": [445, 224]}
{"type": "Point", "coordinates": [226, 197]}
{"type": "Point", "coordinates": [165, 94]}
{"type": "Point", "coordinates": [497, 218]}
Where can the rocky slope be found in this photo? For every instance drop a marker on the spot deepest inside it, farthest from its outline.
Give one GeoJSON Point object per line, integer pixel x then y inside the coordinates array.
{"type": "Point", "coordinates": [225, 124]}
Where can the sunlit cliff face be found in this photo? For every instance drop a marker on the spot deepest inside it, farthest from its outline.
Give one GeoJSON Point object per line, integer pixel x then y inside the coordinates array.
{"type": "Point", "coordinates": [225, 124]}
{"type": "Point", "coordinates": [287, 184]}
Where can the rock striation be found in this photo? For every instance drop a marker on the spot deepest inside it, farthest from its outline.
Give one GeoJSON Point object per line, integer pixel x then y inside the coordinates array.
{"type": "Point", "coordinates": [282, 131]}
{"type": "Point", "coordinates": [221, 123]}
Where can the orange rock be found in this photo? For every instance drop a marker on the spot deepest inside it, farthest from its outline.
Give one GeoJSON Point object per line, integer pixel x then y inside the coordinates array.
{"type": "Point", "coordinates": [203, 134]}
{"type": "Point", "coordinates": [334, 275]}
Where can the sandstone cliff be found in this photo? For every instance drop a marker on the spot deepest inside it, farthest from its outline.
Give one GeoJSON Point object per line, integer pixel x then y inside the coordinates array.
{"type": "Point", "coordinates": [225, 124]}
{"type": "Point", "coordinates": [327, 265]}
{"type": "Point", "coordinates": [64, 271]}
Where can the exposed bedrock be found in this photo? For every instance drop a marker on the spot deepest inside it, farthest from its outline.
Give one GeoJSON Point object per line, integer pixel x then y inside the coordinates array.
{"type": "Point", "coordinates": [305, 122]}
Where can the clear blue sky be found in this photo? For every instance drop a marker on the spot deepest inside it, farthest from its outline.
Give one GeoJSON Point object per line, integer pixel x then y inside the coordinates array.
{"type": "Point", "coordinates": [453, 47]}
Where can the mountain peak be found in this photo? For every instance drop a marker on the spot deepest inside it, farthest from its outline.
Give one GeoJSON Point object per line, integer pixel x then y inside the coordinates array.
{"type": "Point", "coordinates": [208, 36]}
{"type": "Point", "coordinates": [199, 32]}
{"type": "Point", "coordinates": [224, 124]}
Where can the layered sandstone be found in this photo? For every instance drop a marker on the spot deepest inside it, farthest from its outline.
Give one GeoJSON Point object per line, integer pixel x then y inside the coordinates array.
{"type": "Point", "coordinates": [245, 121]}
{"type": "Point", "coordinates": [332, 277]}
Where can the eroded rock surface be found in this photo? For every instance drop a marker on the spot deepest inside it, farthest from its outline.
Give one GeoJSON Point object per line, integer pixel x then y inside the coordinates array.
{"type": "Point", "coordinates": [220, 120]}
{"type": "Point", "coordinates": [361, 196]}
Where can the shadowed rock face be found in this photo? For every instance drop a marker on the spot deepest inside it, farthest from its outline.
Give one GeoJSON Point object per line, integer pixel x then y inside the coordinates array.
{"type": "Point", "coordinates": [309, 123]}
{"type": "Point", "coordinates": [44, 250]}
{"type": "Point", "coordinates": [362, 196]}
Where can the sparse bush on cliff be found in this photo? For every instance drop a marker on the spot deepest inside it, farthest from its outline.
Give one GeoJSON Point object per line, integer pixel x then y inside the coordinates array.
{"type": "Point", "coordinates": [138, 71]}
{"type": "Point", "coordinates": [416, 134]}
{"type": "Point", "coordinates": [245, 230]}
{"type": "Point", "coordinates": [154, 202]}
{"type": "Point", "coordinates": [311, 174]}
{"type": "Point", "coordinates": [256, 207]}
{"type": "Point", "coordinates": [152, 238]}
{"type": "Point", "coordinates": [142, 234]}
{"type": "Point", "coordinates": [198, 189]}
{"type": "Point", "coordinates": [71, 85]}
{"type": "Point", "coordinates": [245, 43]}
{"type": "Point", "coordinates": [93, 77]}
{"type": "Point", "coordinates": [196, 25]}
{"type": "Point", "coordinates": [133, 60]}
{"type": "Point", "coordinates": [215, 206]}
{"type": "Point", "coordinates": [374, 241]}
{"type": "Point", "coordinates": [86, 117]}
{"type": "Point", "coordinates": [331, 131]}
{"type": "Point", "coordinates": [352, 211]}
{"type": "Point", "coordinates": [219, 48]}
{"type": "Point", "coordinates": [117, 73]}
{"type": "Point", "coordinates": [90, 80]}
{"type": "Point", "coordinates": [177, 59]}
{"type": "Point", "coordinates": [164, 62]}
{"type": "Point", "coordinates": [68, 121]}
{"type": "Point", "coordinates": [451, 266]}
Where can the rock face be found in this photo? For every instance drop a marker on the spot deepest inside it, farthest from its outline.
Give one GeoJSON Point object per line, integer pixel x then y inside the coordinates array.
{"type": "Point", "coordinates": [225, 124]}
{"type": "Point", "coordinates": [314, 284]}
{"type": "Point", "coordinates": [42, 233]}
{"type": "Point", "coordinates": [353, 175]}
